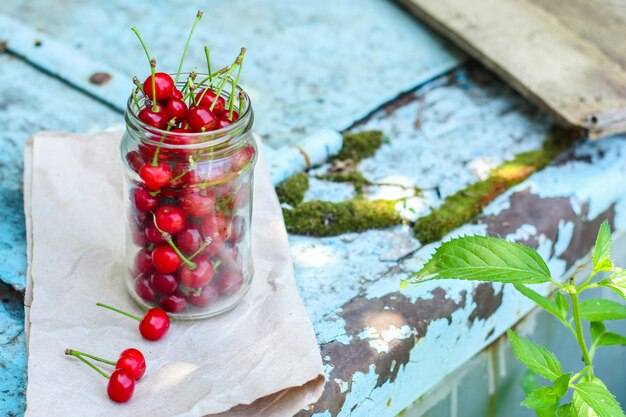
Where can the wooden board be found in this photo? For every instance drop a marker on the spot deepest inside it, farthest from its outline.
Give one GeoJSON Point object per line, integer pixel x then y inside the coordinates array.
{"type": "Point", "coordinates": [568, 56]}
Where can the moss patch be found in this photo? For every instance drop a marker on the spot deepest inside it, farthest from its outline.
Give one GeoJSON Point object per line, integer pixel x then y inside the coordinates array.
{"type": "Point", "coordinates": [361, 145]}
{"type": "Point", "coordinates": [292, 190]}
{"type": "Point", "coordinates": [324, 218]}
{"type": "Point", "coordinates": [355, 177]}
{"type": "Point", "coordinates": [466, 204]}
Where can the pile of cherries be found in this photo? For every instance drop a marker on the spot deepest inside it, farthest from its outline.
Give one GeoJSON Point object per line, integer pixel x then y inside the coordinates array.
{"type": "Point", "coordinates": [189, 209]}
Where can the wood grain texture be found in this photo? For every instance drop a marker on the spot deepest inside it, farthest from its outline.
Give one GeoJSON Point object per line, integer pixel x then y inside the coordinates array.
{"type": "Point", "coordinates": [566, 56]}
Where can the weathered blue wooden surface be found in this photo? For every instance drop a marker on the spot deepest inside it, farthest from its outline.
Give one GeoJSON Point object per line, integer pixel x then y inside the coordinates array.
{"type": "Point", "coordinates": [382, 349]}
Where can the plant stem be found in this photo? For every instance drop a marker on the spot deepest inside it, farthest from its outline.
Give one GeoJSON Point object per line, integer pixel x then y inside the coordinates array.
{"type": "Point", "coordinates": [135, 99]}
{"type": "Point", "coordinates": [155, 158]}
{"type": "Point", "coordinates": [207, 53]}
{"type": "Point", "coordinates": [206, 243]}
{"type": "Point", "coordinates": [579, 330]}
{"type": "Point", "coordinates": [91, 365]}
{"type": "Point", "coordinates": [182, 59]}
{"type": "Point", "coordinates": [168, 238]}
{"type": "Point", "coordinates": [152, 67]}
{"type": "Point", "coordinates": [74, 352]}
{"type": "Point", "coordinates": [132, 316]}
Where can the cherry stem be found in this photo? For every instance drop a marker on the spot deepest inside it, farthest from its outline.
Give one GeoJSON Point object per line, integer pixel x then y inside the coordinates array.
{"type": "Point", "coordinates": [217, 263]}
{"type": "Point", "coordinates": [192, 88]}
{"type": "Point", "coordinates": [202, 247]}
{"type": "Point", "coordinates": [74, 352]}
{"type": "Point", "coordinates": [168, 238]}
{"type": "Point", "coordinates": [155, 158]}
{"type": "Point", "coordinates": [222, 71]}
{"type": "Point", "coordinates": [231, 99]}
{"type": "Point", "coordinates": [241, 96]}
{"type": "Point", "coordinates": [155, 106]}
{"type": "Point", "coordinates": [137, 83]}
{"type": "Point", "coordinates": [91, 365]}
{"type": "Point", "coordinates": [132, 316]}
{"type": "Point", "coordinates": [192, 164]}
{"type": "Point", "coordinates": [182, 59]}
{"type": "Point", "coordinates": [207, 54]}
{"type": "Point", "coordinates": [235, 64]}
{"type": "Point", "coordinates": [135, 99]}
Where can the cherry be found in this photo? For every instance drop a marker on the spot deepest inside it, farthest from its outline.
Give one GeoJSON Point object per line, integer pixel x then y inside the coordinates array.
{"type": "Point", "coordinates": [121, 382]}
{"type": "Point", "coordinates": [189, 239]}
{"type": "Point", "coordinates": [197, 202]}
{"type": "Point", "coordinates": [202, 297]}
{"type": "Point", "coordinates": [242, 158]}
{"type": "Point", "coordinates": [164, 283]}
{"type": "Point", "coordinates": [206, 100]}
{"type": "Point", "coordinates": [132, 360]}
{"type": "Point", "coordinates": [164, 86]}
{"type": "Point", "coordinates": [225, 121]}
{"type": "Point", "coordinates": [143, 262]}
{"type": "Point", "coordinates": [177, 94]}
{"type": "Point", "coordinates": [143, 288]}
{"type": "Point", "coordinates": [154, 324]}
{"type": "Point", "coordinates": [184, 174]}
{"type": "Point", "coordinates": [199, 276]}
{"type": "Point", "coordinates": [211, 226]}
{"type": "Point", "coordinates": [155, 176]}
{"type": "Point", "coordinates": [135, 160]}
{"type": "Point", "coordinates": [176, 109]}
{"type": "Point", "coordinates": [174, 303]}
{"type": "Point", "coordinates": [137, 235]}
{"type": "Point", "coordinates": [153, 235]}
{"type": "Point", "coordinates": [155, 116]}
{"type": "Point", "coordinates": [230, 281]}
{"type": "Point", "coordinates": [121, 385]}
{"type": "Point", "coordinates": [180, 140]}
{"type": "Point", "coordinates": [170, 219]}
{"type": "Point", "coordinates": [237, 230]}
{"type": "Point", "coordinates": [201, 119]}
{"type": "Point", "coordinates": [144, 201]}
{"type": "Point", "coordinates": [165, 259]}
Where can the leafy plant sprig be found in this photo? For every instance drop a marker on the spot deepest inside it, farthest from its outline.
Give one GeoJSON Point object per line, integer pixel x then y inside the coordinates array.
{"type": "Point", "coordinates": [492, 259]}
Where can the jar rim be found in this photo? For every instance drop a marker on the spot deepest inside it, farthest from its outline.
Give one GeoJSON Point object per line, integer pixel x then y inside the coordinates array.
{"type": "Point", "coordinates": [212, 138]}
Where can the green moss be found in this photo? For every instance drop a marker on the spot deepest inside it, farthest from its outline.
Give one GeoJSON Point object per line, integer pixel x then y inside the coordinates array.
{"type": "Point", "coordinates": [324, 218]}
{"type": "Point", "coordinates": [292, 190]}
{"type": "Point", "coordinates": [361, 145]}
{"type": "Point", "coordinates": [466, 204]}
{"type": "Point", "coordinates": [355, 177]}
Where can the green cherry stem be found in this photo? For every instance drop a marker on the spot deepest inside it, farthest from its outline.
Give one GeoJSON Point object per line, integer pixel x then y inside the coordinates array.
{"type": "Point", "coordinates": [155, 106]}
{"type": "Point", "coordinates": [182, 58]}
{"type": "Point", "coordinates": [169, 127]}
{"type": "Point", "coordinates": [236, 64]}
{"type": "Point", "coordinates": [91, 365]}
{"type": "Point", "coordinates": [215, 74]}
{"type": "Point", "coordinates": [207, 54]}
{"type": "Point", "coordinates": [231, 99]}
{"type": "Point", "coordinates": [206, 243]}
{"type": "Point", "coordinates": [192, 165]}
{"type": "Point", "coordinates": [132, 316]}
{"type": "Point", "coordinates": [74, 352]}
{"type": "Point", "coordinates": [135, 99]}
{"type": "Point", "coordinates": [168, 238]}
{"type": "Point", "coordinates": [137, 83]}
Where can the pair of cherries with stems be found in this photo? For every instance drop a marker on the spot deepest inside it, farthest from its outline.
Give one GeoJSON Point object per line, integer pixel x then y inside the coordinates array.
{"type": "Point", "coordinates": [131, 364]}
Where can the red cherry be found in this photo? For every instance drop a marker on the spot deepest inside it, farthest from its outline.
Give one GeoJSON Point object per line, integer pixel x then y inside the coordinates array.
{"type": "Point", "coordinates": [164, 86]}
{"type": "Point", "coordinates": [201, 118]}
{"type": "Point", "coordinates": [174, 303]}
{"type": "Point", "coordinates": [242, 157]}
{"type": "Point", "coordinates": [143, 289]}
{"type": "Point", "coordinates": [156, 118]}
{"type": "Point", "coordinates": [165, 259]}
{"type": "Point", "coordinates": [197, 202]}
{"type": "Point", "coordinates": [144, 201]}
{"type": "Point", "coordinates": [208, 99]}
{"type": "Point", "coordinates": [210, 227]}
{"type": "Point", "coordinates": [200, 276]}
{"type": "Point", "coordinates": [154, 324]}
{"type": "Point", "coordinates": [121, 385]}
{"type": "Point", "coordinates": [237, 230]}
{"type": "Point", "coordinates": [177, 94]}
{"type": "Point", "coordinates": [229, 282]}
{"type": "Point", "coordinates": [170, 219]}
{"type": "Point", "coordinates": [132, 360]}
{"type": "Point", "coordinates": [137, 234]}
{"type": "Point", "coordinates": [164, 283]}
{"type": "Point", "coordinates": [155, 176]}
{"type": "Point", "coordinates": [180, 140]}
{"type": "Point", "coordinates": [143, 262]}
{"type": "Point", "coordinates": [152, 235]}
{"type": "Point", "coordinates": [176, 109]}
{"type": "Point", "coordinates": [135, 160]}
{"type": "Point", "coordinates": [224, 121]}
{"type": "Point", "coordinates": [202, 297]}
{"type": "Point", "coordinates": [189, 239]}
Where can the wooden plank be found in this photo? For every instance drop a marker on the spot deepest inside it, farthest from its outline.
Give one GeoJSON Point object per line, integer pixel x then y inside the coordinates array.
{"type": "Point", "coordinates": [567, 60]}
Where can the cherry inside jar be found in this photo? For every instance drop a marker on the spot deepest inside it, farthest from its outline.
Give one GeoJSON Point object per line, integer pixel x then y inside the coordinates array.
{"type": "Point", "coordinates": [189, 211]}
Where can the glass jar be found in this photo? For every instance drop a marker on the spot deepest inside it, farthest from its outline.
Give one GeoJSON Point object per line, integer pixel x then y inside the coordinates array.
{"type": "Point", "coordinates": [188, 242]}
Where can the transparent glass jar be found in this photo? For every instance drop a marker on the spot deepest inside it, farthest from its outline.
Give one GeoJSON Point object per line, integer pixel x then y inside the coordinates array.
{"type": "Point", "coordinates": [202, 216]}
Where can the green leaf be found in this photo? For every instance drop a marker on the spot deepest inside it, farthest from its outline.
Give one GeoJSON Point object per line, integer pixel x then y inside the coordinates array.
{"type": "Point", "coordinates": [561, 302]}
{"type": "Point", "coordinates": [561, 385]}
{"type": "Point", "coordinates": [565, 411]}
{"type": "Point", "coordinates": [541, 399]}
{"type": "Point", "coordinates": [602, 250]}
{"type": "Point", "coordinates": [601, 337]}
{"type": "Point", "coordinates": [544, 302]}
{"type": "Point", "coordinates": [536, 357]}
{"type": "Point", "coordinates": [529, 382]}
{"type": "Point", "coordinates": [599, 309]}
{"type": "Point", "coordinates": [485, 259]}
{"type": "Point", "coordinates": [616, 282]}
{"type": "Point", "coordinates": [596, 395]}
{"type": "Point", "coordinates": [580, 408]}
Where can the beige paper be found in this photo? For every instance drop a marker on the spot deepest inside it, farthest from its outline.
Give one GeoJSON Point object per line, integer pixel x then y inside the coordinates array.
{"type": "Point", "coordinates": [262, 353]}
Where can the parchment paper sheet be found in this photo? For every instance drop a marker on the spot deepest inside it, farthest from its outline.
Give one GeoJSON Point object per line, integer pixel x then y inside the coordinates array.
{"type": "Point", "coordinates": [261, 358]}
